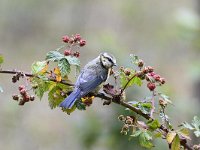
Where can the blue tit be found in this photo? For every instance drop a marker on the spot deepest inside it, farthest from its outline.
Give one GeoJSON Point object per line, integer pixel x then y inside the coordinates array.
{"type": "Point", "coordinates": [91, 77]}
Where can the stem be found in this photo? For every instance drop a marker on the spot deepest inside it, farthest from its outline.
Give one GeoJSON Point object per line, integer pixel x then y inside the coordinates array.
{"type": "Point", "coordinates": [153, 104]}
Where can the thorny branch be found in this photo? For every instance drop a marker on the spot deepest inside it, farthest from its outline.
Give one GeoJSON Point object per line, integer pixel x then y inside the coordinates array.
{"type": "Point", "coordinates": [115, 100]}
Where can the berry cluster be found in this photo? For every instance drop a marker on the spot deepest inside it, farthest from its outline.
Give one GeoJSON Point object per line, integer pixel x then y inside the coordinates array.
{"type": "Point", "coordinates": [152, 79]}
{"type": "Point", "coordinates": [68, 52]}
{"type": "Point", "coordinates": [24, 96]}
{"type": "Point", "coordinates": [73, 41]}
{"type": "Point", "coordinates": [128, 122]}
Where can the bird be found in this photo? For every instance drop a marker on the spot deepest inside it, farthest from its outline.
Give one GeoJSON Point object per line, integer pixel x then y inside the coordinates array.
{"type": "Point", "coordinates": [92, 76]}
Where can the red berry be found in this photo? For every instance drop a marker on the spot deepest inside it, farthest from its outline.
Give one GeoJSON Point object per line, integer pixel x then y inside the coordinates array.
{"type": "Point", "coordinates": [71, 40]}
{"type": "Point", "coordinates": [77, 37]}
{"type": "Point", "coordinates": [156, 77]}
{"type": "Point", "coordinates": [82, 43]}
{"type": "Point", "coordinates": [151, 86]}
{"type": "Point", "coordinates": [21, 87]}
{"type": "Point", "coordinates": [23, 92]}
{"type": "Point", "coordinates": [77, 54]}
{"type": "Point", "coordinates": [67, 52]}
{"type": "Point", "coordinates": [26, 98]}
{"type": "Point", "coordinates": [65, 39]}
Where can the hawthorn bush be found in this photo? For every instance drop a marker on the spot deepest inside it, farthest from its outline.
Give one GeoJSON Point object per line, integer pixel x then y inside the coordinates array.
{"type": "Point", "coordinates": [51, 76]}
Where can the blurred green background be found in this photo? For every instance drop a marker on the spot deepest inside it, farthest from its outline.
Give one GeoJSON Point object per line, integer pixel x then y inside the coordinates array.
{"type": "Point", "coordinates": [165, 34]}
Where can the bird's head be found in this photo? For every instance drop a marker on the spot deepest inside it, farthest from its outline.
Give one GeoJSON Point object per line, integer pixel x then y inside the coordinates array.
{"type": "Point", "coordinates": [107, 60]}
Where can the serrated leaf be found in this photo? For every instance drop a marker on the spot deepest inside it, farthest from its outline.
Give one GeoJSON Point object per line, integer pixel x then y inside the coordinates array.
{"type": "Point", "coordinates": [197, 133]}
{"type": "Point", "coordinates": [64, 67]}
{"type": "Point", "coordinates": [145, 139]}
{"type": "Point", "coordinates": [136, 133]}
{"type": "Point", "coordinates": [187, 125]}
{"type": "Point", "coordinates": [158, 135]}
{"type": "Point", "coordinates": [124, 80]}
{"type": "Point", "coordinates": [153, 124]}
{"type": "Point", "coordinates": [41, 86]}
{"type": "Point", "coordinates": [1, 89]}
{"type": "Point", "coordinates": [73, 60]}
{"type": "Point", "coordinates": [1, 59]}
{"type": "Point", "coordinates": [170, 136]}
{"type": "Point", "coordinates": [145, 107]}
{"type": "Point", "coordinates": [54, 56]}
{"type": "Point", "coordinates": [135, 80]}
{"type": "Point", "coordinates": [39, 67]}
{"type": "Point", "coordinates": [176, 143]}
{"type": "Point", "coordinates": [196, 123]}
{"type": "Point", "coordinates": [54, 96]}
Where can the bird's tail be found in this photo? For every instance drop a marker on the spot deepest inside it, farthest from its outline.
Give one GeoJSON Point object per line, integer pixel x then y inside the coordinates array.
{"type": "Point", "coordinates": [71, 99]}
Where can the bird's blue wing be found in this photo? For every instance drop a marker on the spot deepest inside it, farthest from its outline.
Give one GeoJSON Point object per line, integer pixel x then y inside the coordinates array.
{"type": "Point", "coordinates": [89, 83]}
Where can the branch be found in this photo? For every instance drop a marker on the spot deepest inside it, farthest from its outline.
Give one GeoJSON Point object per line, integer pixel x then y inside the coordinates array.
{"type": "Point", "coordinates": [116, 100]}
{"type": "Point", "coordinates": [139, 112]}
{"type": "Point", "coordinates": [32, 75]}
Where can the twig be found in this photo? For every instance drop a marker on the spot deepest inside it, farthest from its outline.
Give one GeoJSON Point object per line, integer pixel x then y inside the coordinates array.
{"type": "Point", "coordinates": [32, 75]}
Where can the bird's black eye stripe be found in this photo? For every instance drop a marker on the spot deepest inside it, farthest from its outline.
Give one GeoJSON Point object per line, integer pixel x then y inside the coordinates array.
{"type": "Point", "coordinates": [109, 59]}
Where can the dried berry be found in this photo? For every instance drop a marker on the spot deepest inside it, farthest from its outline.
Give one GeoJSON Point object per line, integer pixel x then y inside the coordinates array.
{"type": "Point", "coordinates": [121, 118]}
{"type": "Point", "coordinates": [65, 39]}
{"type": "Point", "coordinates": [82, 43]}
{"type": "Point", "coordinates": [22, 102]}
{"type": "Point", "coordinates": [77, 54]}
{"type": "Point", "coordinates": [150, 69]}
{"type": "Point", "coordinates": [127, 71]}
{"type": "Point", "coordinates": [140, 63]}
{"type": "Point", "coordinates": [67, 52]}
{"type": "Point", "coordinates": [32, 98]}
{"type": "Point", "coordinates": [151, 86]}
{"type": "Point", "coordinates": [129, 121]}
{"type": "Point", "coordinates": [15, 97]}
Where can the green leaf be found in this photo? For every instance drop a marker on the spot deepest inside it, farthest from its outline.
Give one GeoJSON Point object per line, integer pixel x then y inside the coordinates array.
{"type": "Point", "coordinates": [187, 125]}
{"type": "Point", "coordinates": [1, 59]}
{"type": "Point", "coordinates": [41, 86]}
{"type": "Point", "coordinates": [134, 59]}
{"type": "Point", "coordinates": [184, 132]}
{"type": "Point", "coordinates": [170, 136]}
{"type": "Point", "coordinates": [196, 123]}
{"type": "Point", "coordinates": [197, 133]}
{"type": "Point", "coordinates": [136, 133]}
{"type": "Point", "coordinates": [124, 80]}
{"type": "Point", "coordinates": [54, 96]}
{"type": "Point", "coordinates": [38, 66]}
{"type": "Point", "coordinates": [73, 60]}
{"type": "Point", "coordinates": [1, 89]}
{"type": "Point", "coordinates": [176, 143]}
{"type": "Point", "coordinates": [54, 56]}
{"type": "Point", "coordinates": [145, 139]}
{"type": "Point", "coordinates": [145, 107]}
{"type": "Point", "coordinates": [153, 124]}
{"type": "Point", "coordinates": [64, 67]}
{"type": "Point", "coordinates": [80, 105]}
